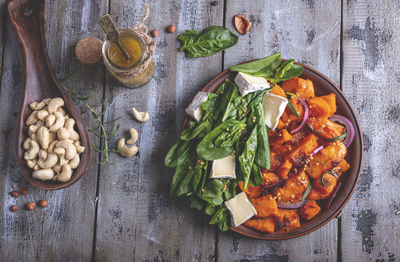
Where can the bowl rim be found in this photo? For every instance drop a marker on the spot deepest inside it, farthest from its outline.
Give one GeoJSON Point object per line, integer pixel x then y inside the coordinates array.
{"type": "Point", "coordinates": [226, 74]}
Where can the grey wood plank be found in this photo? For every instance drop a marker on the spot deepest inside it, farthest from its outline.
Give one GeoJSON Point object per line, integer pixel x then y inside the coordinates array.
{"type": "Point", "coordinates": [3, 19]}
{"type": "Point", "coordinates": [137, 220]}
{"type": "Point", "coordinates": [370, 226]}
{"type": "Point", "coordinates": [308, 31]}
{"type": "Point", "coordinates": [64, 230]}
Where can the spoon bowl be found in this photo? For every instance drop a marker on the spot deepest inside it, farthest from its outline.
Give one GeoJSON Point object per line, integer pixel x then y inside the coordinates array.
{"type": "Point", "coordinates": [27, 19]}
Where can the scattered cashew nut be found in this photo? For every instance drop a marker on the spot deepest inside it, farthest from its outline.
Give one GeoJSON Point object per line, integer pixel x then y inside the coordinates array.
{"type": "Point", "coordinates": [134, 136]}
{"type": "Point", "coordinates": [43, 174]}
{"type": "Point", "coordinates": [140, 116]}
{"type": "Point", "coordinates": [124, 150]}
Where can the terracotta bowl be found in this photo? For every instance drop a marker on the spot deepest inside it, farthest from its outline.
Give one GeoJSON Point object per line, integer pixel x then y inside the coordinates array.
{"type": "Point", "coordinates": [354, 157]}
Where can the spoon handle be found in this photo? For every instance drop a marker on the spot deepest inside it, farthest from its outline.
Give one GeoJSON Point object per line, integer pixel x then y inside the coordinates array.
{"type": "Point", "coordinates": [108, 26]}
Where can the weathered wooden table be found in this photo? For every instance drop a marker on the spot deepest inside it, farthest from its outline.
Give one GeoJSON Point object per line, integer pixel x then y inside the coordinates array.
{"type": "Point", "coordinates": [123, 212]}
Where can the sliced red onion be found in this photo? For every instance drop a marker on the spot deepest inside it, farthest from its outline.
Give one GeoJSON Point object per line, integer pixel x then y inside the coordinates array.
{"type": "Point", "coordinates": [292, 205]}
{"type": "Point", "coordinates": [328, 204]}
{"type": "Point", "coordinates": [349, 128]}
{"type": "Point", "coordinates": [305, 118]}
{"type": "Point", "coordinates": [317, 150]}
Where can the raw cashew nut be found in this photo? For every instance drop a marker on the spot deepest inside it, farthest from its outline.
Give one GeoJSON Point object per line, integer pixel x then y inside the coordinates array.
{"type": "Point", "coordinates": [42, 136]}
{"type": "Point", "coordinates": [59, 122]}
{"type": "Point", "coordinates": [134, 136]}
{"type": "Point", "coordinates": [36, 168]}
{"type": "Point", "coordinates": [70, 150]}
{"type": "Point", "coordinates": [74, 163]}
{"type": "Point", "coordinates": [42, 114]}
{"type": "Point", "coordinates": [32, 118]}
{"type": "Point", "coordinates": [31, 163]}
{"type": "Point", "coordinates": [26, 145]}
{"type": "Point", "coordinates": [50, 119]}
{"type": "Point", "coordinates": [62, 111]}
{"type": "Point", "coordinates": [124, 150]}
{"type": "Point", "coordinates": [37, 105]}
{"type": "Point", "coordinates": [80, 149]}
{"type": "Point", "coordinates": [65, 174]}
{"type": "Point", "coordinates": [52, 137]}
{"type": "Point", "coordinates": [57, 169]}
{"type": "Point", "coordinates": [61, 160]}
{"type": "Point", "coordinates": [52, 145]}
{"type": "Point", "coordinates": [54, 104]}
{"type": "Point", "coordinates": [33, 150]}
{"type": "Point", "coordinates": [33, 136]}
{"type": "Point", "coordinates": [42, 154]}
{"type": "Point", "coordinates": [63, 133]}
{"type": "Point", "coordinates": [140, 116]}
{"type": "Point", "coordinates": [33, 128]}
{"type": "Point", "coordinates": [69, 125]}
{"type": "Point", "coordinates": [46, 101]}
{"type": "Point", "coordinates": [51, 160]}
{"type": "Point", "coordinates": [59, 151]}
{"type": "Point", "coordinates": [43, 174]}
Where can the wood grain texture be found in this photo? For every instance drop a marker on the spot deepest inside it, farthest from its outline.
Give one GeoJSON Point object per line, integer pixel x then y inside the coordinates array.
{"type": "Point", "coordinates": [308, 31]}
{"type": "Point", "coordinates": [64, 230]}
{"type": "Point", "coordinates": [370, 226]}
{"type": "Point", "coordinates": [137, 220]}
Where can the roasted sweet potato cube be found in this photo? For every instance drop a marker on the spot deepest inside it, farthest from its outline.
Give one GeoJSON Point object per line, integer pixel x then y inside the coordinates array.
{"type": "Point", "coordinates": [265, 206]}
{"type": "Point", "coordinates": [269, 178]}
{"type": "Point", "coordinates": [252, 191]}
{"type": "Point", "coordinates": [281, 124]}
{"type": "Point", "coordinates": [303, 150]}
{"type": "Point", "coordinates": [316, 195]}
{"type": "Point", "coordinates": [280, 149]}
{"type": "Point", "coordinates": [266, 225]}
{"type": "Point", "coordinates": [309, 210]}
{"type": "Point", "coordinates": [276, 161]}
{"type": "Point", "coordinates": [293, 190]}
{"type": "Point", "coordinates": [284, 169]}
{"type": "Point", "coordinates": [326, 159]}
{"type": "Point", "coordinates": [277, 90]}
{"type": "Point", "coordinates": [329, 181]}
{"type": "Point", "coordinates": [288, 219]}
{"type": "Point", "coordinates": [341, 168]}
{"type": "Point", "coordinates": [302, 87]}
{"type": "Point", "coordinates": [325, 127]}
{"type": "Point", "coordinates": [331, 100]}
{"type": "Point", "coordinates": [319, 108]}
{"type": "Point", "coordinates": [283, 136]}
{"type": "Point", "coordinates": [288, 116]}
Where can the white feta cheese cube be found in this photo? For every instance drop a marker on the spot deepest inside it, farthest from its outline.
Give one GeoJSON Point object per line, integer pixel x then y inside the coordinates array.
{"type": "Point", "coordinates": [194, 109]}
{"type": "Point", "coordinates": [274, 106]}
{"type": "Point", "coordinates": [248, 84]}
{"type": "Point", "coordinates": [241, 209]}
{"type": "Point", "coordinates": [224, 168]}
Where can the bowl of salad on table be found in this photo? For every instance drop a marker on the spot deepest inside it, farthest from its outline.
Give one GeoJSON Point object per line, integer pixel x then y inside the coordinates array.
{"type": "Point", "coordinates": [270, 149]}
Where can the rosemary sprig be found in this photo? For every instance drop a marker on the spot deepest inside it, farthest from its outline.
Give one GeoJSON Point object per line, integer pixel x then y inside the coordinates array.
{"type": "Point", "coordinates": [100, 129]}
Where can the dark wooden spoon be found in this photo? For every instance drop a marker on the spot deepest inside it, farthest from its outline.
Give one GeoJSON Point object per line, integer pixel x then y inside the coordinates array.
{"type": "Point", "coordinates": [27, 19]}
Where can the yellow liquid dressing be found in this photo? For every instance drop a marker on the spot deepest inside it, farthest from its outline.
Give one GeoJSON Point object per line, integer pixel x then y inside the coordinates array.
{"type": "Point", "coordinates": [131, 45]}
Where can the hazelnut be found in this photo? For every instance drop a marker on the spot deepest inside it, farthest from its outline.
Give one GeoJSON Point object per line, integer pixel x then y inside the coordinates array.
{"type": "Point", "coordinates": [43, 203]}
{"type": "Point", "coordinates": [14, 194]}
{"type": "Point", "coordinates": [13, 208]}
{"type": "Point", "coordinates": [30, 206]}
{"type": "Point", "coordinates": [154, 33]}
{"type": "Point", "coordinates": [171, 28]}
{"type": "Point", "coordinates": [24, 191]}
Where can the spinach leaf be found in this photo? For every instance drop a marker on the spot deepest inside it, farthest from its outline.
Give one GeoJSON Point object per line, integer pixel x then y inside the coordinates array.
{"type": "Point", "coordinates": [209, 210]}
{"type": "Point", "coordinates": [209, 105]}
{"type": "Point", "coordinates": [230, 136]}
{"type": "Point", "coordinates": [181, 172]}
{"type": "Point", "coordinates": [230, 190]}
{"type": "Point", "coordinates": [264, 67]}
{"type": "Point", "coordinates": [208, 150]}
{"type": "Point", "coordinates": [246, 159]}
{"type": "Point", "coordinates": [219, 216]}
{"type": "Point", "coordinates": [212, 192]}
{"type": "Point", "coordinates": [194, 130]}
{"type": "Point", "coordinates": [287, 70]}
{"type": "Point", "coordinates": [171, 160]}
{"type": "Point", "coordinates": [184, 186]}
{"type": "Point", "coordinates": [210, 41]}
{"type": "Point", "coordinates": [262, 158]}
{"type": "Point", "coordinates": [198, 175]}
{"type": "Point", "coordinates": [196, 202]}
{"type": "Point", "coordinates": [256, 177]}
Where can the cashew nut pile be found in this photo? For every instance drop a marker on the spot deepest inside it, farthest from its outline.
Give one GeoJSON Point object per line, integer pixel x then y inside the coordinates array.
{"type": "Point", "coordinates": [125, 150]}
{"type": "Point", "coordinates": [53, 146]}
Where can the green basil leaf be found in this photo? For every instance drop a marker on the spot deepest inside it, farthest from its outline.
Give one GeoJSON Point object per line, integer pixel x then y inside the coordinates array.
{"type": "Point", "coordinates": [246, 159]}
{"type": "Point", "coordinates": [287, 70]}
{"type": "Point", "coordinates": [210, 41]}
{"type": "Point", "coordinates": [264, 67]}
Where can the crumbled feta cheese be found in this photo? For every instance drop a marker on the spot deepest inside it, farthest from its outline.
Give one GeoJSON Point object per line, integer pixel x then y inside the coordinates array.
{"type": "Point", "coordinates": [274, 106]}
{"type": "Point", "coordinates": [248, 84]}
{"type": "Point", "coordinates": [241, 209]}
{"type": "Point", "coordinates": [224, 168]}
{"type": "Point", "coordinates": [194, 109]}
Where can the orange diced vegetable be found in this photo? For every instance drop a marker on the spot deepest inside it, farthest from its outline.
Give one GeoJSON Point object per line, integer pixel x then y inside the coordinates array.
{"type": "Point", "coordinates": [266, 225]}
{"type": "Point", "coordinates": [316, 195]}
{"type": "Point", "coordinates": [302, 87]}
{"type": "Point", "coordinates": [265, 206]}
{"type": "Point", "coordinates": [276, 161]}
{"type": "Point", "coordinates": [269, 177]}
{"type": "Point", "coordinates": [329, 181]}
{"type": "Point", "coordinates": [280, 124]}
{"type": "Point", "coordinates": [293, 190]}
{"type": "Point", "coordinates": [342, 167]}
{"type": "Point", "coordinates": [325, 127]}
{"type": "Point", "coordinates": [288, 219]}
{"type": "Point", "coordinates": [284, 169]}
{"type": "Point", "coordinates": [252, 191]}
{"type": "Point", "coordinates": [319, 108]}
{"type": "Point", "coordinates": [309, 210]}
{"type": "Point", "coordinates": [277, 90]}
{"type": "Point", "coordinates": [288, 116]}
{"type": "Point", "coordinates": [331, 100]}
{"type": "Point", "coordinates": [303, 150]}
{"type": "Point", "coordinates": [280, 149]}
{"type": "Point", "coordinates": [283, 136]}
{"type": "Point", "coordinates": [326, 159]}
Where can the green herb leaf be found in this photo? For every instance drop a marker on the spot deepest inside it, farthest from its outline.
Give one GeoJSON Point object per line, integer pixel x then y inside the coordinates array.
{"type": "Point", "coordinates": [212, 192]}
{"type": "Point", "coordinates": [210, 41]}
{"type": "Point", "coordinates": [219, 216]}
{"type": "Point", "coordinates": [287, 70]}
{"type": "Point", "coordinates": [246, 159]}
{"type": "Point", "coordinates": [308, 189]}
{"type": "Point", "coordinates": [264, 67]}
{"type": "Point", "coordinates": [209, 210]}
{"type": "Point", "coordinates": [262, 157]}
{"type": "Point", "coordinates": [322, 180]}
{"type": "Point", "coordinates": [291, 107]}
{"type": "Point", "coordinates": [338, 137]}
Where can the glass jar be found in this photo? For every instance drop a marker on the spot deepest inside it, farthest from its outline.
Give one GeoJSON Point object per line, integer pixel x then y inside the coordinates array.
{"type": "Point", "coordinates": [136, 71]}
